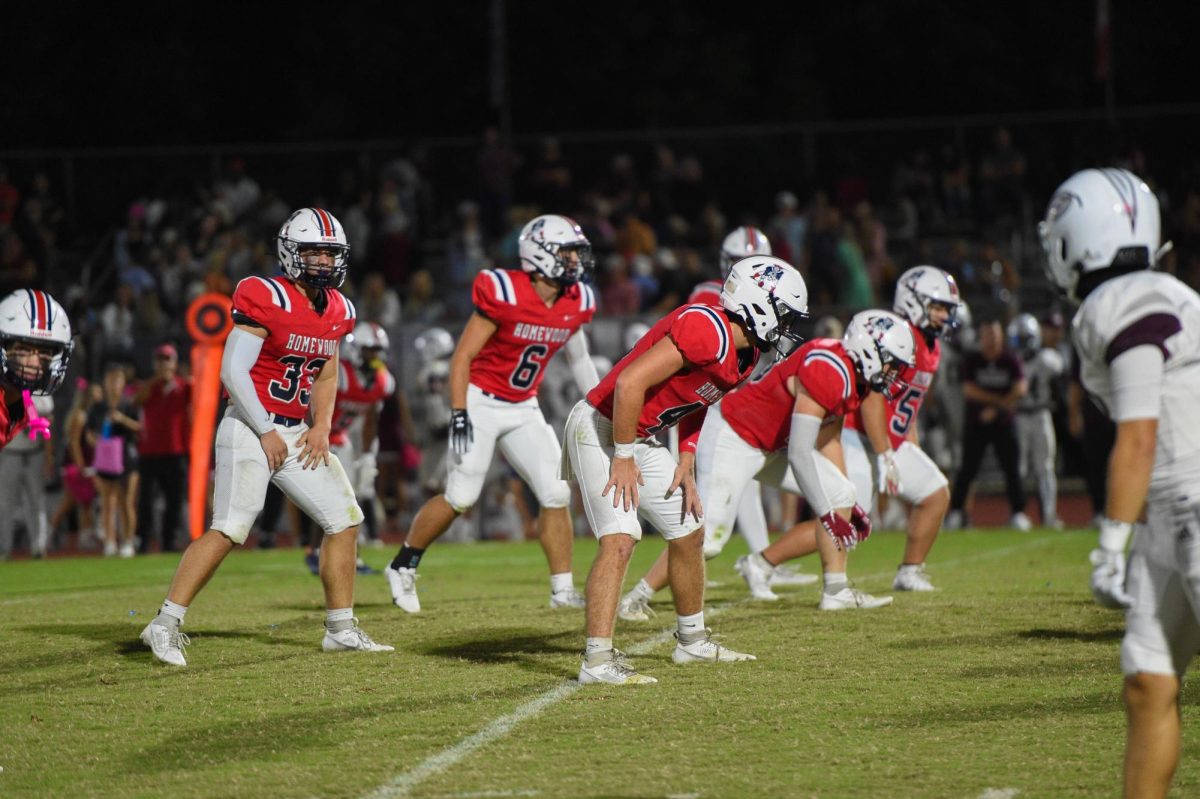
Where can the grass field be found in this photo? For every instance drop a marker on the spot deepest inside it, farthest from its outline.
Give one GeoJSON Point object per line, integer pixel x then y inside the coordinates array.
{"type": "Point", "coordinates": [1003, 683]}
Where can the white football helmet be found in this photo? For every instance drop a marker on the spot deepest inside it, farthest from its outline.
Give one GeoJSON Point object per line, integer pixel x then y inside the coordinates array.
{"type": "Point", "coordinates": [543, 245]}
{"type": "Point", "coordinates": [920, 286]}
{"type": "Point", "coordinates": [434, 344]}
{"type": "Point", "coordinates": [1025, 334]}
{"type": "Point", "coordinates": [1099, 219]}
{"type": "Point", "coordinates": [742, 243]}
{"type": "Point", "coordinates": [313, 228]}
{"type": "Point", "coordinates": [770, 297]}
{"type": "Point", "coordinates": [34, 317]}
{"type": "Point", "coordinates": [366, 336]}
{"type": "Point", "coordinates": [635, 333]}
{"type": "Point", "coordinates": [880, 344]}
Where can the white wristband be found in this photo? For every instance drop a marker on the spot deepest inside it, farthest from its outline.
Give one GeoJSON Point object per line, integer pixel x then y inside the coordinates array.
{"type": "Point", "coordinates": [1114, 534]}
{"type": "Point", "coordinates": [623, 450]}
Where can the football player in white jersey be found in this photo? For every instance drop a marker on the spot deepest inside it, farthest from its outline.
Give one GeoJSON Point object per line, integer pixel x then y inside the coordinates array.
{"type": "Point", "coordinates": [1035, 427]}
{"type": "Point", "coordinates": [1137, 332]}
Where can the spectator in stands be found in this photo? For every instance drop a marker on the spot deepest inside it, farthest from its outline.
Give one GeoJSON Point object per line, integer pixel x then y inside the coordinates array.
{"type": "Point", "coordinates": [26, 465]}
{"type": "Point", "coordinates": [853, 280]}
{"type": "Point", "coordinates": [115, 419]}
{"type": "Point", "coordinates": [466, 250]}
{"type": "Point", "coordinates": [1002, 181]}
{"type": "Point", "coordinates": [993, 381]}
{"type": "Point", "coordinates": [633, 235]}
{"type": "Point", "coordinates": [378, 302]}
{"type": "Point", "coordinates": [620, 186]}
{"type": "Point", "coordinates": [117, 322]}
{"type": "Point", "coordinates": [619, 295]}
{"type": "Point", "coordinates": [549, 184]}
{"type": "Point", "coordinates": [788, 230]}
{"type": "Point", "coordinates": [914, 179]}
{"type": "Point", "coordinates": [422, 301]}
{"type": "Point", "coordinates": [79, 490]}
{"type": "Point", "coordinates": [497, 164]}
{"type": "Point", "coordinates": [163, 443]}
{"type": "Point", "coordinates": [662, 182]}
{"type": "Point", "coordinates": [872, 240]}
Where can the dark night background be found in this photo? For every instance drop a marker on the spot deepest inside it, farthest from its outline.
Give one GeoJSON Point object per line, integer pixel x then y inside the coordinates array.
{"type": "Point", "coordinates": [172, 73]}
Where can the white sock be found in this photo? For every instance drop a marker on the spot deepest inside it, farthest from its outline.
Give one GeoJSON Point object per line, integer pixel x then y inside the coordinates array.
{"type": "Point", "coordinates": [762, 562]}
{"type": "Point", "coordinates": [691, 628]}
{"type": "Point", "coordinates": [835, 581]}
{"type": "Point", "coordinates": [170, 614]}
{"type": "Point", "coordinates": [642, 590]}
{"type": "Point", "coordinates": [338, 619]}
{"type": "Point", "coordinates": [910, 568]}
{"type": "Point", "coordinates": [598, 650]}
{"type": "Point", "coordinates": [562, 582]}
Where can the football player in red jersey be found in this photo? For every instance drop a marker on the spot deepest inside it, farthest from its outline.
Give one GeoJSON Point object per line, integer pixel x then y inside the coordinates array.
{"type": "Point", "coordinates": [688, 360]}
{"type": "Point", "coordinates": [816, 388]}
{"type": "Point", "coordinates": [740, 243]}
{"type": "Point", "coordinates": [927, 298]}
{"type": "Point", "coordinates": [522, 317]}
{"type": "Point", "coordinates": [280, 367]}
{"type": "Point", "coordinates": [35, 348]}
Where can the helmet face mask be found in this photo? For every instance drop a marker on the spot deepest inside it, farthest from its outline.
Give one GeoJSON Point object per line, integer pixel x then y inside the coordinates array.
{"type": "Point", "coordinates": [881, 345]}
{"type": "Point", "coordinates": [770, 297]}
{"type": "Point", "coordinates": [35, 341]}
{"type": "Point", "coordinates": [313, 249]}
{"type": "Point", "coordinates": [554, 247]}
{"type": "Point", "coordinates": [1096, 220]}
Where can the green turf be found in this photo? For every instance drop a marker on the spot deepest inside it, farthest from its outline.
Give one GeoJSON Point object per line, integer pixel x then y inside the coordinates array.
{"type": "Point", "coordinates": [1005, 679]}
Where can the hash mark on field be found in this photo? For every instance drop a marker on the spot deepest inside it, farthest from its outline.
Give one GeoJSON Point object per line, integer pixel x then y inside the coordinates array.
{"type": "Point", "coordinates": [403, 784]}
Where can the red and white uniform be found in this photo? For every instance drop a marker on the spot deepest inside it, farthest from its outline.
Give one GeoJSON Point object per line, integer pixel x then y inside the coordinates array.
{"type": "Point", "coordinates": [919, 475]}
{"type": "Point", "coordinates": [705, 338]}
{"type": "Point", "coordinates": [505, 376]}
{"type": "Point", "coordinates": [12, 423]}
{"type": "Point", "coordinates": [300, 341]}
{"type": "Point", "coordinates": [512, 362]}
{"type": "Point", "coordinates": [356, 395]}
{"type": "Point", "coordinates": [707, 293]}
{"type": "Point", "coordinates": [761, 413]}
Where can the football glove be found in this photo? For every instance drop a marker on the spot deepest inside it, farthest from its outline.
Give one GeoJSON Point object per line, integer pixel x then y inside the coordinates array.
{"type": "Point", "coordinates": [840, 530]}
{"type": "Point", "coordinates": [860, 520]}
{"type": "Point", "coordinates": [1108, 579]}
{"type": "Point", "coordinates": [889, 475]}
{"type": "Point", "coordinates": [462, 435]}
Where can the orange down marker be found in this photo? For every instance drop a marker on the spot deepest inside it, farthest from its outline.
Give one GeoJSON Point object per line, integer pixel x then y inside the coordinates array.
{"type": "Point", "coordinates": [209, 320]}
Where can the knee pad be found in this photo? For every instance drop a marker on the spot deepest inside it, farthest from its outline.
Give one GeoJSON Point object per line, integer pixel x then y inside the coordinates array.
{"type": "Point", "coordinates": [555, 495]}
{"type": "Point", "coordinates": [460, 504]}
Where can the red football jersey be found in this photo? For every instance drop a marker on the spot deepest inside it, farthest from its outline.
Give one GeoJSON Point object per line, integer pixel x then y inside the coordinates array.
{"type": "Point", "coordinates": [761, 412]}
{"type": "Point", "coordinates": [512, 363]}
{"type": "Point", "coordinates": [355, 395]}
{"type": "Point", "coordinates": [705, 338]}
{"type": "Point", "coordinates": [10, 426]}
{"type": "Point", "coordinates": [707, 293]}
{"type": "Point", "coordinates": [299, 340]}
{"type": "Point", "coordinates": [903, 408]}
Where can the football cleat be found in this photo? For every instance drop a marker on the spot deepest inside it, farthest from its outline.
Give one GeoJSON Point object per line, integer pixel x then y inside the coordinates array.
{"type": "Point", "coordinates": [403, 583]}
{"type": "Point", "coordinates": [784, 574]}
{"type": "Point", "coordinates": [1020, 521]}
{"type": "Point", "coordinates": [757, 574]}
{"type": "Point", "coordinates": [706, 650]}
{"type": "Point", "coordinates": [313, 561]}
{"type": "Point", "coordinates": [853, 599]}
{"type": "Point", "coordinates": [166, 644]}
{"type": "Point", "coordinates": [634, 608]}
{"type": "Point", "coordinates": [352, 640]}
{"type": "Point", "coordinates": [912, 580]}
{"type": "Point", "coordinates": [613, 672]}
{"type": "Point", "coordinates": [570, 598]}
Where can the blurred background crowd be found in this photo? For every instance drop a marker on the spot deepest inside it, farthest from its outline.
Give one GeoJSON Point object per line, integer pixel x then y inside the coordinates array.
{"type": "Point", "coordinates": [126, 240]}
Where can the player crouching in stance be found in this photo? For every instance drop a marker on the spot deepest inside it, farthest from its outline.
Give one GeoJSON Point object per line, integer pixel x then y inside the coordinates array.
{"type": "Point", "coordinates": [1137, 333]}
{"type": "Point", "coordinates": [687, 361]}
{"type": "Point", "coordinates": [886, 425]}
{"type": "Point", "coordinates": [521, 319]}
{"type": "Point", "coordinates": [35, 348]}
{"type": "Point", "coordinates": [791, 419]}
{"type": "Point", "coordinates": [279, 366]}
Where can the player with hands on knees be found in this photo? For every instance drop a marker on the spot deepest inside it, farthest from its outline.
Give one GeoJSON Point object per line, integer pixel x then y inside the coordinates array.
{"type": "Point", "coordinates": [280, 368]}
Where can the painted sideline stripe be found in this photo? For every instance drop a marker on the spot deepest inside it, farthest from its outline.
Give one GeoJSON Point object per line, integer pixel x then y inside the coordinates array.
{"type": "Point", "coordinates": [403, 784]}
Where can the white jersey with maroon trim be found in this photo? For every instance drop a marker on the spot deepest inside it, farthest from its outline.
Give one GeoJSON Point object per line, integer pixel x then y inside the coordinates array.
{"type": "Point", "coordinates": [1149, 309]}
{"type": "Point", "coordinates": [528, 332]}
{"type": "Point", "coordinates": [300, 339]}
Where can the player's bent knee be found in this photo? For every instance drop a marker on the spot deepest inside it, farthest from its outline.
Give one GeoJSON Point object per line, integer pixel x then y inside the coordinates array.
{"type": "Point", "coordinates": [460, 503]}
{"type": "Point", "coordinates": [1151, 693]}
{"type": "Point", "coordinates": [619, 541]}
{"type": "Point", "coordinates": [556, 496]}
{"type": "Point", "coordinates": [236, 532]}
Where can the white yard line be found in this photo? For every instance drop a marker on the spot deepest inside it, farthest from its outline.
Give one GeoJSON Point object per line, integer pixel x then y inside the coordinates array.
{"type": "Point", "coordinates": [999, 793]}
{"type": "Point", "coordinates": [403, 784]}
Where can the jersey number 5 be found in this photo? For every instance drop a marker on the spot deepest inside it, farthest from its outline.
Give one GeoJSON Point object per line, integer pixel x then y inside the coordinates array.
{"type": "Point", "coordinates": [532, 361]}
{"type": "Point", "coordinates": [906, 409]}
{"type": "Point", "coordinates": [285, 390]}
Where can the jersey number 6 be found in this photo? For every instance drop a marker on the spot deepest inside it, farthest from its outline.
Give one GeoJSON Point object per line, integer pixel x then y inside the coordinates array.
{"type": "Point", "coordinates": [528, 367]}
